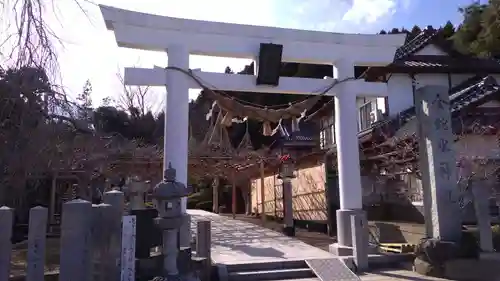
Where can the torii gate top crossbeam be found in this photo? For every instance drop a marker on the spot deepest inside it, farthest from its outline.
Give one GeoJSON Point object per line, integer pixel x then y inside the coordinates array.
{"type": "Point", "coordinates": [153, 32]}
{"type": "Point", "coordinates": [246, 83]}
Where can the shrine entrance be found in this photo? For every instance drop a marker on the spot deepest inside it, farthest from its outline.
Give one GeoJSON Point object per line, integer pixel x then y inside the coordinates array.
{"type": "Point", "coordinates": [181, 37]}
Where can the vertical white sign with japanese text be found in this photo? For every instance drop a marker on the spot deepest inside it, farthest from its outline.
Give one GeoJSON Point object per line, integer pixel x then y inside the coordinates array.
{"type": "Point", "coordinates": [128, 249]}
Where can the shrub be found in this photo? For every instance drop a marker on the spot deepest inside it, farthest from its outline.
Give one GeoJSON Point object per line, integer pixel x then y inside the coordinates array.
{"type": "Point", "coordinates": [496, 237]}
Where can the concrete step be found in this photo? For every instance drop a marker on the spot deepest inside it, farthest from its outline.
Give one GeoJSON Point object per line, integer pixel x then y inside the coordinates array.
{"type": "Point", "coordinates": [376, 261]}
{"type": "Point", "coordinates": [289, 264]}
{"type": "Point", "coordinates": [278, 274]}
{"type": "Point", "coordinates": [299, 279]}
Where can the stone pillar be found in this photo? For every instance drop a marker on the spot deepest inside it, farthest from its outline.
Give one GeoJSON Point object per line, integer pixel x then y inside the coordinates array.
{"type": "Point", "coordinates": [6, 221]}
{"type": "Point", "coordinates": [75, 241]}
{"type": "Point", "coordinates": [36, 243]}
{"type": "Point", "coordinates": [170, 251]}
{"type": "Point", "coordinates": [359, 225]}
{"type": "Point", "coordinates": [346, 135]}
{"type": "Point", "coordinates": [438, 160]}
{"type": "Point", "coordinates": [136, 191]}
{"type": "Point", "coordinates": [116, 199]}
{"type": "Point", "coordinates": [103, 261]}
{"type": "Point", "coordinates": [203, 246]}
{"type": "Point", "coordinates": [481, 201]}
{"type": "Point", "coordinates": [185, 234]}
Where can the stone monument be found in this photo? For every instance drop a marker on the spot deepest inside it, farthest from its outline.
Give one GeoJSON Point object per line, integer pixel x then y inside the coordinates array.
{"type": "Point", "coordinates": [438, 163]}
{"type": "Point", "coordinates": [136, 192]}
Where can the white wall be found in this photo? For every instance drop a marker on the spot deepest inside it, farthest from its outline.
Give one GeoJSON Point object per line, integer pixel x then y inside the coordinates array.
{"type": "Point", "coordinates": [431, 50]}
{"type": "Point", "coordinates": [400, 94]}
{"type": "Point", "coordinates": [400, 89]}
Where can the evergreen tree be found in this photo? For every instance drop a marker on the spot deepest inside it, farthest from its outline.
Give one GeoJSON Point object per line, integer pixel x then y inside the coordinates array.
{"type": "Point", "coordinates": [394, 31]}
{"type": "Point", "coordinates": [415, 30]}
{"type": "Point", "coordinates": [448, 30]}
{"type": "Point", "coordinates": [476, 33]}
{"type": "Point", "coordinates": [84, 100]}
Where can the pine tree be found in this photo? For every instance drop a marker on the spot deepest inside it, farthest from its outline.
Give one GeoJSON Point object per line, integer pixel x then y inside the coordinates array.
{"type": "Point", "coordinates": [84, 101]}
{"type": "Point", "coordinates": [448, 30]}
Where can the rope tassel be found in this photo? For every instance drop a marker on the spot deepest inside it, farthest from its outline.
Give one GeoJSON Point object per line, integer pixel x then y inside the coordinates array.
{"type": "Point", "coordinates": [227, 120]}
{"type": "Point", "coordinates": [266, 129]}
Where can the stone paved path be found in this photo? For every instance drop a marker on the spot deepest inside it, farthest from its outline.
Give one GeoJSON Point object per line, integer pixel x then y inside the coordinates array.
{"type": "Point", "coordinates": [235, 241]}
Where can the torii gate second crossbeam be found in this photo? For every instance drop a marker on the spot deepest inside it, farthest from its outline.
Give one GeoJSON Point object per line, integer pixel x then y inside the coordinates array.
{"type": "Point", "coordinates": [181, 37]}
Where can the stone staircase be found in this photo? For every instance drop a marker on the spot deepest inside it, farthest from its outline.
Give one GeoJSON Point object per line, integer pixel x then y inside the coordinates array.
{"type": "Point", "coordinates": [296, 270]}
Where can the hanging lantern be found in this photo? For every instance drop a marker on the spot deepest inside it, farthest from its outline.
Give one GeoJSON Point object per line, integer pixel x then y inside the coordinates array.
{"type": "Point", "coordinates": [287, 167]}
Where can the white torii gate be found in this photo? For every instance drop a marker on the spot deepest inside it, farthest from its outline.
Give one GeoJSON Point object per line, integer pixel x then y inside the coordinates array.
{"type": "Point", "coordinates": [181, 37]}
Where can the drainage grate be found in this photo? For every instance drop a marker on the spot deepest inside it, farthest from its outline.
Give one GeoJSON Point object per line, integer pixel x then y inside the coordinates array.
{"type": "Point", "coordinates": [332, 269]}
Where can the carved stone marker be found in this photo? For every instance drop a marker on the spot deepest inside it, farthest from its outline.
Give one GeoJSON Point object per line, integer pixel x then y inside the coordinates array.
{"type": "Point", "coordinates": [116, 199]}
{"type": "Point", "coordinates": [75, 241]}
{"type": "Point", "coordinates": [6, 220]}
{"type": "Point", "coordinates": [438, 163]}
{"type": "Point", "coordinates": [136, 191]}
{"type": "Point", "coordinates": [483, 216]}
{"type": "Point", "coordinates": [359, 226]}
{"type": "Point", "coordinates": [36, 243]}
{"type": "Point", "coordinates": [128, 249]}
{"type": "Point", "coordinates": [103, 261]}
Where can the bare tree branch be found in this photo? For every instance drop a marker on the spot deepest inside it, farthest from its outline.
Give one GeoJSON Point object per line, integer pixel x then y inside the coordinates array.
{"type": "Point", "coordinates": [134, 98]}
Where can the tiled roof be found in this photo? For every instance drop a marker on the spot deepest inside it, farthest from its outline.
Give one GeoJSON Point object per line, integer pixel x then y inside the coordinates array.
{"type": "Point", "coordinates": [405, 56]}
{"type": "Point", "coordinates": [416, 44]}
{"type": "Point", "coordinates": [446, 62]}
{"type": "Point", "coordinates": [305, 134]}
{"type": "Point", "coordinates": [473, 92]}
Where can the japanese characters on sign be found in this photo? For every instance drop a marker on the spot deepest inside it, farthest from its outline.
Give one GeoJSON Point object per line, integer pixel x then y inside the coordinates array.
{"type": "Point", "coordinates": [444, 145]}
{"type": "Point", "coordinates": [128, 249]}
{"type": "Point", "coordinates": [441, 124]}
{"type": "Point", "coordinates": [440, 102]}
{"type": "Point", "coordinates": [444, 170]}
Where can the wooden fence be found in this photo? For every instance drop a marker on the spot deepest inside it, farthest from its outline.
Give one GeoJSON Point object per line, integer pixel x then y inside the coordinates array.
{"type": "Point", "coordinates": [90, 243]}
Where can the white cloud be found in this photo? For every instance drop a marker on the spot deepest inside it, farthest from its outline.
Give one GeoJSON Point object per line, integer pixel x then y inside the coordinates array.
{"type": "Point", "coordinates": [370, 11]}
{"type": "Point", "coordinates": [90, 51]}
{"type": "Point", "coordinates": [356, 16]}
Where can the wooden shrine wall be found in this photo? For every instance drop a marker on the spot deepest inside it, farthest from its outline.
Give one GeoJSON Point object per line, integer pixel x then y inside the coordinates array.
{"type": "Point", "coordinates": [309, 201]}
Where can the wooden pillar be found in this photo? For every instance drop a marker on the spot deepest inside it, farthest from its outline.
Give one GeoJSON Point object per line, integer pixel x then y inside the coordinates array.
{"type": "Point", "coordinates": [233, 195]}
{"type": "Point", "coordinates": [262, 190]}
{"type": "Point", "coordinates": [215, 194]}
{"type": "Point", "coordinates": [52, 206]}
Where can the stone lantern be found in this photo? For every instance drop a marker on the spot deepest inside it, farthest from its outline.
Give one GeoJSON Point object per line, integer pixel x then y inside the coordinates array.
{"type": "Point", "coordinates": [166, 197]}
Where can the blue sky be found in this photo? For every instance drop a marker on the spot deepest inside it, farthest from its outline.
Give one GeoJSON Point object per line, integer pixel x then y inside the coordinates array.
{"type": "Point", "coordinates": [428, 12]}
{"type": "Point", "coordinates": [89, 51]}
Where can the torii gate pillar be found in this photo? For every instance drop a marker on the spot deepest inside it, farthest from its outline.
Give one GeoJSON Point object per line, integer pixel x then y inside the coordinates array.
{"type": "Point", "coordinates": [346, 136]}
{"type": "Point", "coordinates": [176, 129]}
